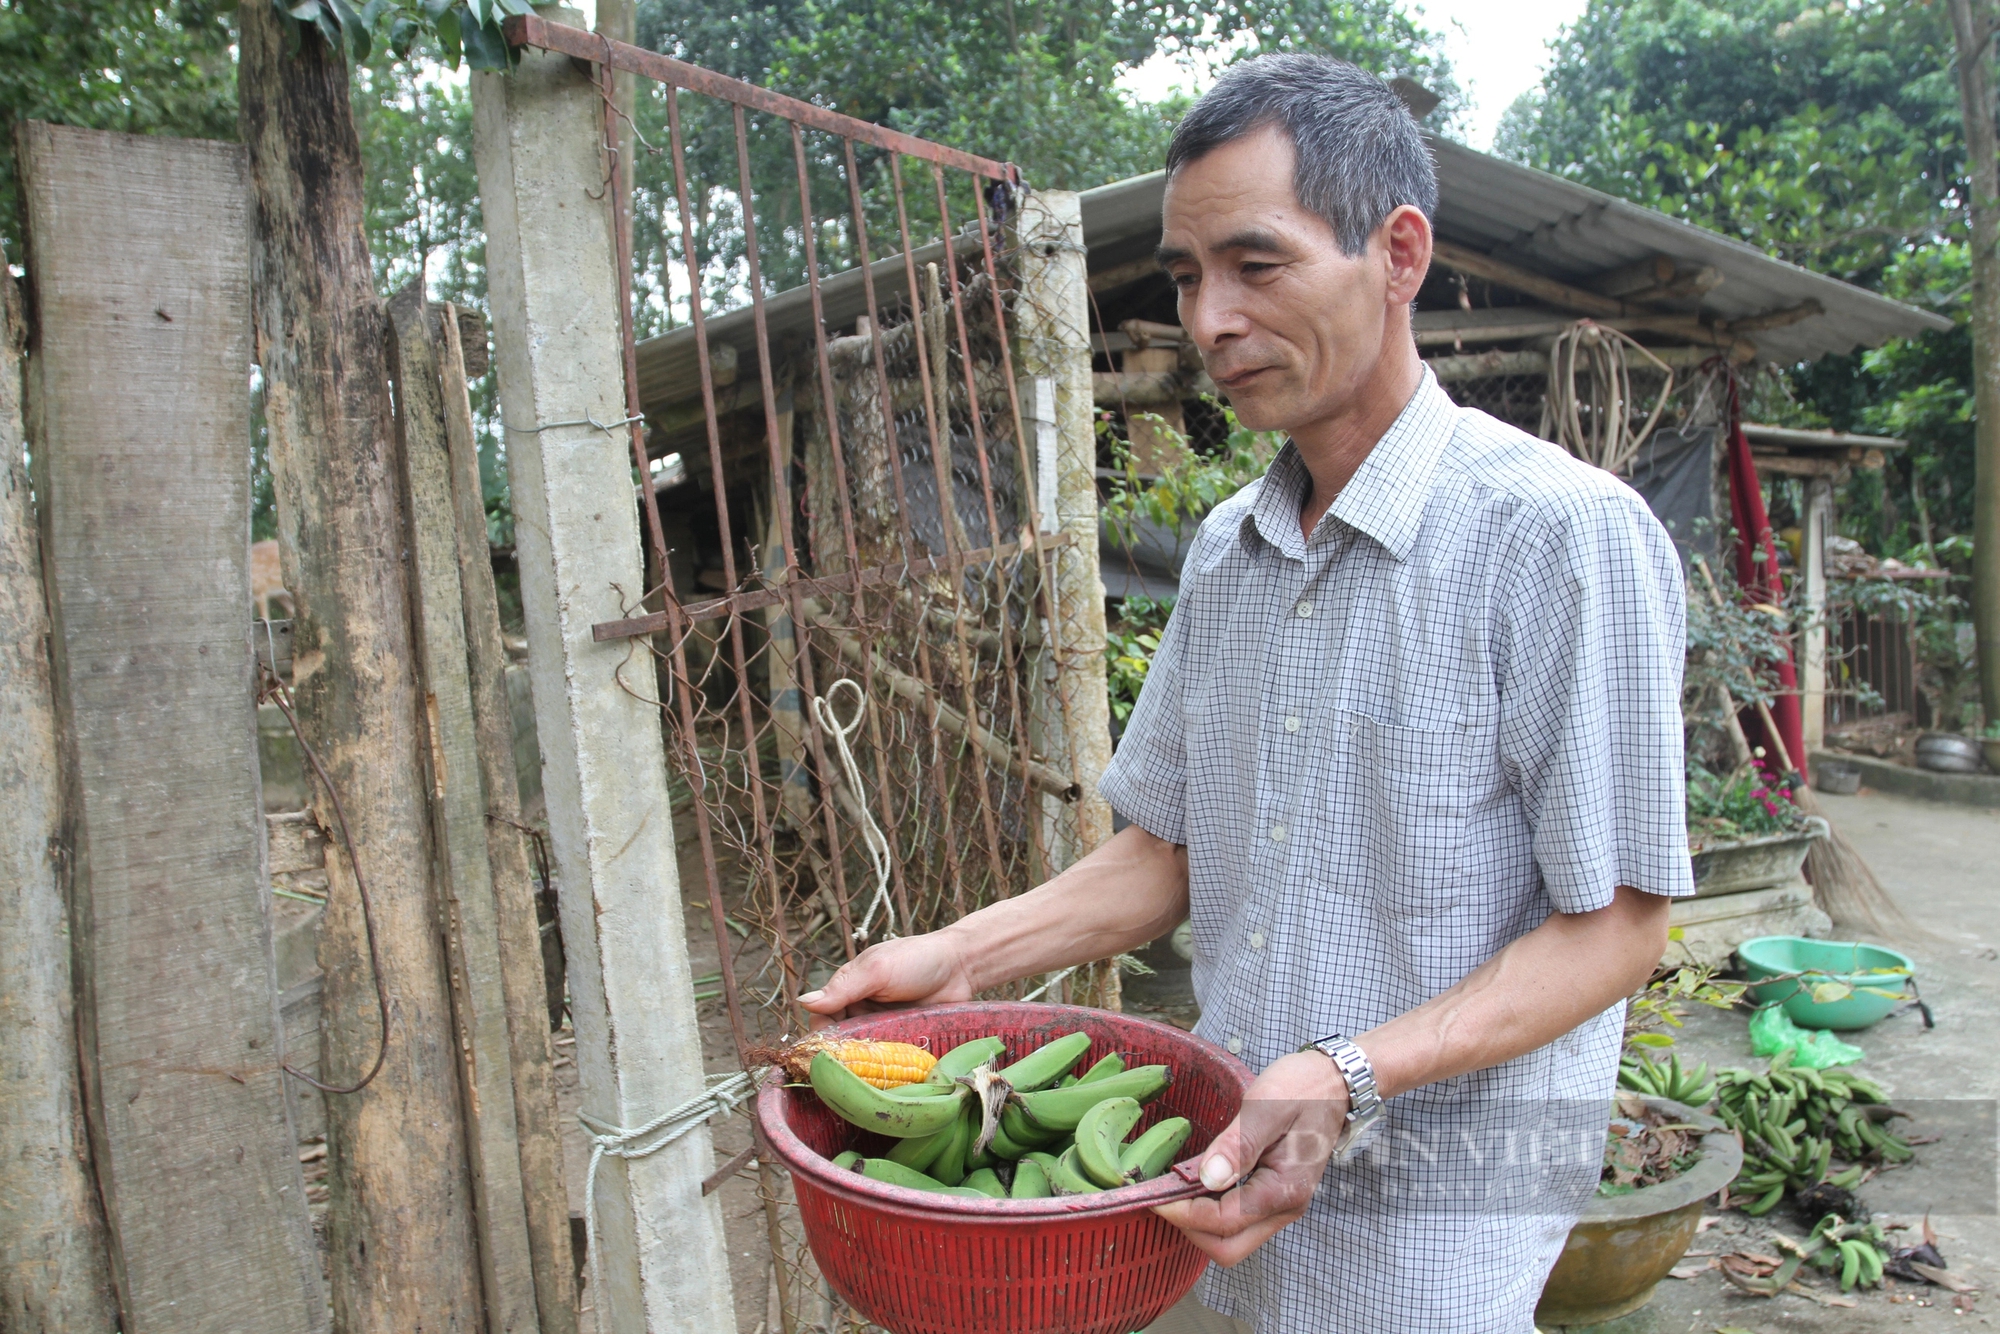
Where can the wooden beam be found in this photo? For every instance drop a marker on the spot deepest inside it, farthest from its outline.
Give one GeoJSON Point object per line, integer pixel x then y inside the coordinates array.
{"type": "Point", "coordinates": [1137, 389]}
{"type": "Point", "coordinates": [1776, 319]}
{"type": "Point", "coordinates": [1639, 275]}
{"type": "Point", "coordinates": [470, 917]}
{"type": "Point", "coordinates": [1476, 264]}
{"type": "Point", "coordinates": [402, 1239]}
{"type": "Point", "coordinates": [55, 1277]}
{"type": "Point", "coordinates": [1792, 437]}
{"type": "Point", "coordinates": [139, 447]}
{"type": "Point", "coordinates": [538, 1125]}
{"type": "Point", "coordinates": [1124, 275]}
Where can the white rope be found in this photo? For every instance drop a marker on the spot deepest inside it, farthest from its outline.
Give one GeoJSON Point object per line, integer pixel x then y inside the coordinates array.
{"type": "Point", "coordinates": [1048, 982]}
{"type": "Point", "coordinates": [724, 1095]}
{"type": "Point", "coordinates": [1596, 424]}
{"type": "Point", "coordinates": [871, 833]}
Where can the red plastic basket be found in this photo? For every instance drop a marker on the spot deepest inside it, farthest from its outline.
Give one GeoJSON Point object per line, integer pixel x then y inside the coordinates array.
{"type": "Point", "coordinates": [919, 1263]}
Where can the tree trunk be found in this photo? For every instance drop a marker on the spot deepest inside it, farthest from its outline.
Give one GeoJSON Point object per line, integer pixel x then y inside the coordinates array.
{"type": "Point", "coordinates": [54, 1275]}
{"type": "Point", "coordinates": [1972, 27]}
{"type": "Point", "coordinates": [400, 1224]}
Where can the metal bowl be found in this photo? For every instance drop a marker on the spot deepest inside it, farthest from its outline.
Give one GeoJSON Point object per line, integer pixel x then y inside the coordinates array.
{"type": "Point", "coordinates": [1946, 753]}
{"type": "Point", "coordinates": [1838, 778]}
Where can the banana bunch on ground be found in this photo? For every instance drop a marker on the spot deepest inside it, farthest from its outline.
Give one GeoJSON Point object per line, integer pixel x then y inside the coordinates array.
{"type": "Point", "coordinates": [1797, 1122]}
{"type": "Point", "coordinates": [1855, 1251]}
{"type": "Point", "coordinates": [1027, 1130]}
{"type": "Point", "coordinates": [1691, 1088]}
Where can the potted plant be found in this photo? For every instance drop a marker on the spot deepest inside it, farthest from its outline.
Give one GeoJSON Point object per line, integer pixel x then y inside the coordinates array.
{"type": "Point", "coordinates": [1745, 828]}
{"type": "Point", "coordinates": [1663, 1159]}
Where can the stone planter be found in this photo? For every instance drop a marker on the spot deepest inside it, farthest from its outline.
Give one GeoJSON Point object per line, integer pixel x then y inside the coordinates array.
{"type": "Point", "coordinates": [1754, 863]}
{"type": "Point", "coordinates": [1624, 1244]}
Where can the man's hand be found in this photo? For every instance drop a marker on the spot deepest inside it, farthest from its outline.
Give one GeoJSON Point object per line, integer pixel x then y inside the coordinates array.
{"type": "Point", "coordinates": [1291, 1121]}
{"type": "Point", "coordinates": [912, 970]}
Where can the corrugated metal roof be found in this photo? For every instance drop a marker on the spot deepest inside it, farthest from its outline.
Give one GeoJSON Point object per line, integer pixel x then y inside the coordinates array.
{"type": "Point", "coordinates": [1526, 217]}
{"type": "Point", "coordinates": [1568, 231]}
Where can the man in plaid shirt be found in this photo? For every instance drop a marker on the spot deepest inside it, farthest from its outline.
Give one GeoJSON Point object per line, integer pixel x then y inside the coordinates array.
{"type": "Point", "coordinates": [1408, 758]}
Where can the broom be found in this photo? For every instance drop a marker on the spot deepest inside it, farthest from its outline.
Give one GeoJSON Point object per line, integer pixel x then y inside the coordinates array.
{"type": "Point", "coordinates": [1842, 880]}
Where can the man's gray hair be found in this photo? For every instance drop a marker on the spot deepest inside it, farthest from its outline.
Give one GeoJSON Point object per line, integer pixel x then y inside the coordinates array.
{"type": "Point", "coordinates": [1360, 155]}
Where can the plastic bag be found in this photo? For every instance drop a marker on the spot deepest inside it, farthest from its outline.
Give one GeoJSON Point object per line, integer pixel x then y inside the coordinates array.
{"type": "Point", "coordinates": [1772, 1030]}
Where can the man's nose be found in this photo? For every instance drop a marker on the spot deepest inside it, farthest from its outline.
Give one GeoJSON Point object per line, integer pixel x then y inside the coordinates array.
{"type": "Point", "coordinates": [1212, 316]}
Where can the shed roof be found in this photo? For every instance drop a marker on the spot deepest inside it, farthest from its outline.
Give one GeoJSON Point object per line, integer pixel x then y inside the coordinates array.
{"type": "Point", "coordinates": [1528, 218]}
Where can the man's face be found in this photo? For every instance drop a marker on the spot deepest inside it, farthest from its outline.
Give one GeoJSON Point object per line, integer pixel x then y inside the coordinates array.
{"type": "Point", "coordinates": [1290, 328]}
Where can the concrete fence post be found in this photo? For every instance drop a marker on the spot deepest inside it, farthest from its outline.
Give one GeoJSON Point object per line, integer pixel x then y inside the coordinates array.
{"type": "Point", "coordinates": [537, 142]}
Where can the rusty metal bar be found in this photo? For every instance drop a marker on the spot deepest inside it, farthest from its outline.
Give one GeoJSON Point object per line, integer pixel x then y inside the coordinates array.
{"type": "Point", "coordinates": [781, 499]}
{"type": "Point", "coordinates": [832, 410]}
{"type": "Point", "coordinates": [532, 30]}
{"type": "Point", "coordinates": [947, 841]}
{"type": "Point", "coordinates": [1039, 853]}
{"type": "Point", "coordinates": [788, 968]}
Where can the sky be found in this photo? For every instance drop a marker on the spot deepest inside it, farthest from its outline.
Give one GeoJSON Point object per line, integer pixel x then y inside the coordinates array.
{"type": "Point", "coordinates": [1498, 52]}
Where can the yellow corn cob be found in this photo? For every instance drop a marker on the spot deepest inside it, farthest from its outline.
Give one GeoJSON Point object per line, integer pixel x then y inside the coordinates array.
{"type": "Point", "coordinates": [885, 1065]}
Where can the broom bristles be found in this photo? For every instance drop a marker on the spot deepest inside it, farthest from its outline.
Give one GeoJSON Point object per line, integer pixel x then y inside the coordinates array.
{"type": "Point", "coordinates": [1845, 886]}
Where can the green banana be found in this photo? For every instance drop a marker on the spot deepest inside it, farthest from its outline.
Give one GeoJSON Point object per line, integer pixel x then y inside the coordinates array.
{"type": "Point", "coordinates": [1024, 1132]}
{"type": "Point", "coordinates": [1047, 1063]}
{"type": "Point", "coordinates": [861, 1104]}
{"type": "Point", "coordinates": [1113, 1064]}
{"type": "Point", "coordinates": [1153, 1152]}
{"type": "Point", "coordinates": [1060, 1109]}
{"type": "Point", "coordinates": [919, 1153]}
{"type": "Point", "coordinates": [1850, 1263]}
{"type": "Point", "coordinates": [949, 1165]}
{"type": "Point", "coordinates": [1069, 1179]}
{"type": "Point", "coordinates": [1847, 1180]}
{"type": "Point", "coordinates": [987, 1182]}
{"type": "Point", "coordinates": [895, 1174]}
{"type": "Point", "coordinates": [1767, 1202]}
{"type": "Point", "coordinates": [1031, 1181]}
{"type": "Point", "coordinates": [1871, 1266]}
{"type": "Point", "coordinates": [1005, 1146]}
{"type": "Point", "coordinates": [964, 1059]}
{"type": "Point", "coordinates": [1100, 1139]}
{"type": "Point", "coordinates": [1065, 1081]}
{"type": "Point", "coordinates": [847, 1161]}
{"type": "Point", "coordinates": [1822, 1160]}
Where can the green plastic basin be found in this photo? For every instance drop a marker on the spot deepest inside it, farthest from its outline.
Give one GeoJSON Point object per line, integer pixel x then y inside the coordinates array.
{"type": "Point", "coordinates": [1873, 994]}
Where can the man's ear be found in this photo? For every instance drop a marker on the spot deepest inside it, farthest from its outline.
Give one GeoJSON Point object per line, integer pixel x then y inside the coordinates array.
{"type": "Point", "coordinates": [1406, 240]}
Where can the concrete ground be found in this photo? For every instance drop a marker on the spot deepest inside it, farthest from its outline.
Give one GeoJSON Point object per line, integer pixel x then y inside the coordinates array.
{"type": "Point", "coordinates": [1942, 863]}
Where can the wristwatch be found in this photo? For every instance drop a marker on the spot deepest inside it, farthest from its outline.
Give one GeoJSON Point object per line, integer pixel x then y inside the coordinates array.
{"type": "Point", "coordinates": [1365, 1109]}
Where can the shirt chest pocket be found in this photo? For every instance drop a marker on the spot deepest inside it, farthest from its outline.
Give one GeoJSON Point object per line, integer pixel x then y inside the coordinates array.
{"type": "Point", "coordinates": [1395, 802]}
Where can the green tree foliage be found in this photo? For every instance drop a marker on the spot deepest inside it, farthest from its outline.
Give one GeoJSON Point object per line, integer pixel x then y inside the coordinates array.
{"type": "Point", "coordinates": [1827, 135]}
{"type": "Point", "coordinates": [129, 65]}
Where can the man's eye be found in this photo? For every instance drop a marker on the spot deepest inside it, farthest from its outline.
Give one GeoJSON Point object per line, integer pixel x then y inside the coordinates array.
{"type": "Point", "coordinates": [1258, 266]}
{"type": "Point", "coordinates": [1182, 280]}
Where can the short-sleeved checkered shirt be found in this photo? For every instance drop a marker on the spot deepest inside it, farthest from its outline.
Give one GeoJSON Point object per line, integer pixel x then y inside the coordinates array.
{"type": "Point", "coordinates": [1390, 750]}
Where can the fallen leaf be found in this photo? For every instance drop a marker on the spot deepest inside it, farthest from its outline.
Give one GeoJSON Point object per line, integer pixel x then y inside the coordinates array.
{"type": "Point", "coordinates": [1944, 1278]}
{"type": "Point", "coordinates": [1823, 1298]}
{"type": "Point", "coordinates": [1733, 1329]}
{"type": "Point", "coordinates": [1707, 1221]}
{"type": "Point", "coordinates": [1691, 1271]}
{"type": "Point", "coordinates": [1922, 1139]}
{"type": "Point", "coordinates": [1930, 1237]}
{"type": "Point", "coordinates": [1963, 1302]}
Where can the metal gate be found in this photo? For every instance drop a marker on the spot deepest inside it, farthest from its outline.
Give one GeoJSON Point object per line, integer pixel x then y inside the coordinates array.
{"type": "Point", "coordinates": [852, 622]}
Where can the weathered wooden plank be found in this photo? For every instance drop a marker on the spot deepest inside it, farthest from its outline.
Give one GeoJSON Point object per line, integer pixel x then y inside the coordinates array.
{"type": "Point", "coordinates": [142, 458]}
{"type": "Point", "coordinates": [521, 971]}
{"type": "Point", "coordinates": [458, 823]}
{"type": "Point", "coordinates": [54, 1276]}
{"type": "Point", "coordinates": [404, 1255]}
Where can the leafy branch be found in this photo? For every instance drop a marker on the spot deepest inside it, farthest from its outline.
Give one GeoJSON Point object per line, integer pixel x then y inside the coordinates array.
{"type": "Point", "coordinates": [468, 28]}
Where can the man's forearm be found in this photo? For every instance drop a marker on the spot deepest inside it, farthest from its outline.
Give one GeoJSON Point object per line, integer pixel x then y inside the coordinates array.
{"type": "Point", "coordinates": [1127, 892]}
{"type": "Point", "coordinates": [1540, 987]}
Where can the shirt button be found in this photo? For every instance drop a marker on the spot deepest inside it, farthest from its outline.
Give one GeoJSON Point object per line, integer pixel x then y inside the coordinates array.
{"type": "Point", "coordinates": [1236, 1046]}
{"type": "Point", "coordinates": [1305, 608]}
{"type": "Point", "coordinates": [1277, 833]}
{"type": "Point", "coordinates": [1256, 940]}
{"type": "Point", "coordinates": [1291, 724]}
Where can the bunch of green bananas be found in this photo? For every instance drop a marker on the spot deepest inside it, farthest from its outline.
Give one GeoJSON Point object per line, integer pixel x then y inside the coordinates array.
{"type": "Point", "coordinates": [1022, 1131]}
{"type": "Point", "coordinates": [1691, 1088]}
{"type": "Point", "coordinates": [1795, 1121]}
{"type": "Point", "coordinates": [1857, 1251]}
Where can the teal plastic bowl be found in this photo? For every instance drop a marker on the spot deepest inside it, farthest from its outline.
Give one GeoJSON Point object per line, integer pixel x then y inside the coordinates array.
{"type": "Point", "coordinates": [1873, 996]}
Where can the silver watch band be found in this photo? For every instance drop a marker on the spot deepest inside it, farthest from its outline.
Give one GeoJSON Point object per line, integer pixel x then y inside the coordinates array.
{"type": "Point", "coordinates": [1364, 1101]}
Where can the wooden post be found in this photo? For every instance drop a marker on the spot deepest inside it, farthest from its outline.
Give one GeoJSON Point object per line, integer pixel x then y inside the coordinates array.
{"type": "Point", "coordinates": [1071, 712]}
{"type": "Point", "coordinates": [535, 1116]}
{"type": "Point", "coordinates": [141, 451]}
{"type": "Point", "coordinates": [471, 918]}
{"type": "Point", "coordinates": [1812, 674]}
{"type": "Point", "coordinates": [400, 1227]}
{"type": "Point", "coordinates": [537, 137]}
{"type": "Point", "coordinates": [54, 1275]}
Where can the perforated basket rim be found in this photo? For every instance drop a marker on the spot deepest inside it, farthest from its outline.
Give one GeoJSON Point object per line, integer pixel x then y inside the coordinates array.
{"type": "Point", "coordinates": [864, 1192]}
